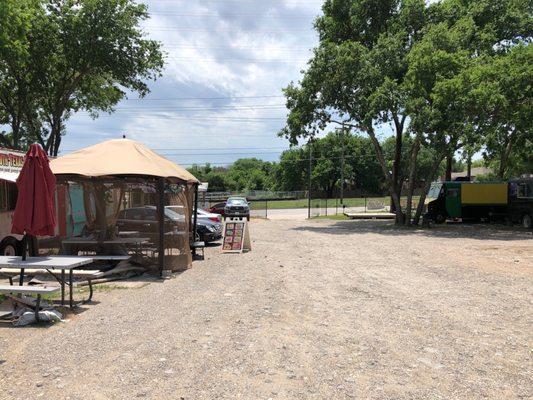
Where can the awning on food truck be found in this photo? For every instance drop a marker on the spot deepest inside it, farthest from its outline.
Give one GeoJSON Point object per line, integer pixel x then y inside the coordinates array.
{"type": "Point", "coordinates": [119, 157]}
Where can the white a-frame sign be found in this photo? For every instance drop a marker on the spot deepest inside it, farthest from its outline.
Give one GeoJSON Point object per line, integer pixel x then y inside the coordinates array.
{"type": "Point", "coordinates": [236, 236]}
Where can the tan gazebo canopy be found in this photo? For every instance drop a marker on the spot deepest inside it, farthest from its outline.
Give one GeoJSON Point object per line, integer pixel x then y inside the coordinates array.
{"type": "Point", "coordinates": [122, 163]}
{"type": "Point", "coordinates": [119, 157]}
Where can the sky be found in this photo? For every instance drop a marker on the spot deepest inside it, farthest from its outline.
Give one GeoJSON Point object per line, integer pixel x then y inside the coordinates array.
{"type": "Point", "coordinates": [220, 97]}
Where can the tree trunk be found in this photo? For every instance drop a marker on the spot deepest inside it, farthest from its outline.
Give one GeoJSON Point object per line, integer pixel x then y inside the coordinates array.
{"type": "Point", "coordinates": [505, 156]}
{"type": "Point", "coordinates": [56, 144]}
{"type": "Point", "coordinates": [449, 164]}
{"type": "Point", "coordinates": [396, 165]}
{"type": "Point", "coordinates": [15, 132]}
{"type": "Point", "coordinates": [420, 208]}
{"type": "Point", "coordinates": [54, 140]}
{"type": "Point", "coordinates": [412, 172]}
{"type": "Point", "coordinates": [387, 175]}
{"type": "Point", "coordinates": [469, 166]}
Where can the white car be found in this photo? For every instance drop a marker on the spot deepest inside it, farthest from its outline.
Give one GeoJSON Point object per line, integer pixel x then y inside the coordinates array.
{"type": "Point", "coordinates": [202, 215]}
{"type": "Point", "coordinates": [206, 215]}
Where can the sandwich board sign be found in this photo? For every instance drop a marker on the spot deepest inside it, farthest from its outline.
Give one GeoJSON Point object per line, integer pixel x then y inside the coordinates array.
{"type": "Point", "coordinates": [236, 236]}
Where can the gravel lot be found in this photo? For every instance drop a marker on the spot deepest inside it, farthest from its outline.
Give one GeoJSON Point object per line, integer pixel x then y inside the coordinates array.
{"type": "Point", "coordinates": [318, 310]}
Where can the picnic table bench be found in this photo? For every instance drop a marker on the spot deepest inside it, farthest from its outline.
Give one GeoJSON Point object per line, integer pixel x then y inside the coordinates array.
{"type": "Point", "coordinates": [89, 275]}
{"type": "Point", "coordinates": [49, 264]}
{"type": "Point", "coordinates": [35, 290]}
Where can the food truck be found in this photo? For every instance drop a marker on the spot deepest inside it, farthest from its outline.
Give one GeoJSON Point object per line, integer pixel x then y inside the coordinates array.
{"type": "Point", "coordinates": [11, 162]}
{"type": "Point", "coordinates": [510, 201]}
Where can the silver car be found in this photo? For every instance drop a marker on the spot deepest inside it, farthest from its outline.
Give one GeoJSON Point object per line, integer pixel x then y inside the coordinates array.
{"type": "Point", "coordinates": [237, 207]}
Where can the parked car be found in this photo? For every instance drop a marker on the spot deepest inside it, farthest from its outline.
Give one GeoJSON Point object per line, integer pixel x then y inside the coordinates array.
{"type": "Point", "coordinates": [208, 225]}
{"type": "Point", "coordinates": [202, 215]}
{"type": "Point", "coordinates": [144, 220]}
{"type": "Point", "coordinates": [206, 215]}
{"type": "Point", "coordinates": [237, 207]}
{"type": "Point", "coordinates": [209, 231]}
{"type": "Point", "coordinates": [218, 208]}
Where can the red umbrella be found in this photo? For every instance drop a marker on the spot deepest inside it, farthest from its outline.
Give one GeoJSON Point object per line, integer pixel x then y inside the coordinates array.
{"type": "Point", "coordinates": [35, 211]}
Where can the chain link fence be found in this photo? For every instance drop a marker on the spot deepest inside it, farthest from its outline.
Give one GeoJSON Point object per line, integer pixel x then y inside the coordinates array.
{"type": "Point", "coordinates": [268, 204]}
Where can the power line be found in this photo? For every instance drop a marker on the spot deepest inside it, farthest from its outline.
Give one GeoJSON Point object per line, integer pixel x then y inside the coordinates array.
{"type": "Point", "coordinates": [288, 161]}
{"type": "Point", "coordinates": [194, 118]}
{"type": "Point", "coordinates": [200, 108]}
{"type": "Point", "coordinates": [239, 60]}
{"type": "Point", "coordinates": [229, 15]}
{"type": "Point", "coordinates": [221, 154]}
{"type": "Point", "coordinates": [207, 148]}
{"type": "Point", "coordinates": [191, 29]}
{"type": "Point", "coordinates": [207, 98]}
{"type": "Point", "coordinates": [231, 47]}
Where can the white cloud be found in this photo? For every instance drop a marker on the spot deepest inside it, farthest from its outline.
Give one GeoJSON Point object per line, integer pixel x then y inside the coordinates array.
{"type": "Point", "coordinates": [216, 49]}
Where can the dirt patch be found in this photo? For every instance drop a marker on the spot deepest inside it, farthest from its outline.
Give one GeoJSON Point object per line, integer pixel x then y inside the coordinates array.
{"type": "Point", "coordinates": [319, 309]}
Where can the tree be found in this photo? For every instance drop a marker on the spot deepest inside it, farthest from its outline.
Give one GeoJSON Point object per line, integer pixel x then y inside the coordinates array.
{"type": "Point", "coordinates": [291, 172]}
{"type": "Point", "coordinates": [505, 98]}
{"type": "Point", "coordinates": [356, 76]}
{"type": "Point", "coordinates": [250, 174]}
{"type": "Point", "coordinates": [217, 181]}
{"type": "Point", "coordinates": [78, 55]}
{"type": "Point", "coordinates": [447, 100]}
{"type": "Point", "coordinates": [361, 170]}
{"type": "Point", "coordinates": [16, 91]}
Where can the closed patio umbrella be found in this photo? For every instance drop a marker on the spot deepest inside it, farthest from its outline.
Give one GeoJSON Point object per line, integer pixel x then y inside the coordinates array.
{"type": "Point", "coordinates": [35, 211]}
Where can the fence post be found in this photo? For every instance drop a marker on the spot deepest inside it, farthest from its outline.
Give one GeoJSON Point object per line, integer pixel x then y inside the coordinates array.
{"type": "Point", "coordinates": [365, 205]}
{"type": "Point", "coordinates": [266, 208]}
{"type": "Point", "coordinates": [326, 206]}
{"type": "Point", "coordinates": [336, 206]}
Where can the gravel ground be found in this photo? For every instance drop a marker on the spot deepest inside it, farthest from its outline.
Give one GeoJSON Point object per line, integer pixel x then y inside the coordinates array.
{"type": "Point", "coordinates": [318, 310]}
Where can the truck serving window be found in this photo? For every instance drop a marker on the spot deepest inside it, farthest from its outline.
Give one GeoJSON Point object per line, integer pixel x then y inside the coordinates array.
{"type": "Point", "coordinates": [523, 191]}
{"type": "Point", "coordinates": [434, 191]}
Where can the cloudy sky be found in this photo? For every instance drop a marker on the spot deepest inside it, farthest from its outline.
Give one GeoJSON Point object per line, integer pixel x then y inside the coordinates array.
{"type": "Point", "coordinates": [220, 95]}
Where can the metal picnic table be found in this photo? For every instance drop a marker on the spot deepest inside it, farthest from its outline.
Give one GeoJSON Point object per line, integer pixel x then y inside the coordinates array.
{"type": "Point", "coordinates": [49, 264]}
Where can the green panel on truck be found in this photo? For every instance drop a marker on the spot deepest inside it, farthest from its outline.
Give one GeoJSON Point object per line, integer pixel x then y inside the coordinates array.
{"type": "Point", "coordinates": [453, 199]}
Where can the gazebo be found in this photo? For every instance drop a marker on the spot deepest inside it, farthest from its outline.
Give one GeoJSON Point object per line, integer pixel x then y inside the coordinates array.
{"type": "Point", "coordinates": [101, 186]}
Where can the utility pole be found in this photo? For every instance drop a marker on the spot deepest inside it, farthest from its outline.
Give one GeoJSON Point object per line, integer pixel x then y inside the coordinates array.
{"type": "Point", "coordinates": [309, 144]}
{"type": "Point", "coordinates": [342, 168]}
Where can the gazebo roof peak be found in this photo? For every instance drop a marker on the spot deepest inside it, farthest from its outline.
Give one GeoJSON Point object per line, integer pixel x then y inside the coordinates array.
{"type": "Point", "coordinates": [119, 157]}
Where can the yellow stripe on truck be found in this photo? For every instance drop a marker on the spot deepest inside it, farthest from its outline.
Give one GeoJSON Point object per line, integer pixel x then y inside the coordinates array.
{"type": "Point", "coordinates": [484, 193]}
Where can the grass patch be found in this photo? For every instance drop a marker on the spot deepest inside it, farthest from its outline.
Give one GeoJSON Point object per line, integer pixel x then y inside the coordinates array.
{"type": "Point", "coordinates": [338, 217]}
{"type": "Point", "coordinates": [370, 202]}
{"type": "Point", "coordinates": [302, 203]}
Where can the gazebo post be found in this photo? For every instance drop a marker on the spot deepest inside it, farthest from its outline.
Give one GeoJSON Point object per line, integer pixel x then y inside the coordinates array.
{"type": "Point", "coordinates": [161, 223]}
{"type": "Point", "coordinates": [195, 215]}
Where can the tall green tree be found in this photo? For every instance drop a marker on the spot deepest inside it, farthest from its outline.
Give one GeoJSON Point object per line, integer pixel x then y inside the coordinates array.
{"type": "Point", "coordinates": [17, 95]}
{"type": "Point", "coordinates": [78, 55]}
{"type": "Point", "coordinates": [451, 105]}
{"type": "Point", "coordinates": [356, 77]}
{"type": "Point", "coordinates": [504, 93]}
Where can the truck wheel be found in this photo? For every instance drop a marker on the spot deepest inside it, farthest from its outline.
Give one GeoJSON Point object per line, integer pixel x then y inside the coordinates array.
{"type": "Point", "coordinates": [440, 219]}
{"type": "Point", "coordinates": [527, 221]}
{"type": "Point", "coordinates": [10, 247]}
